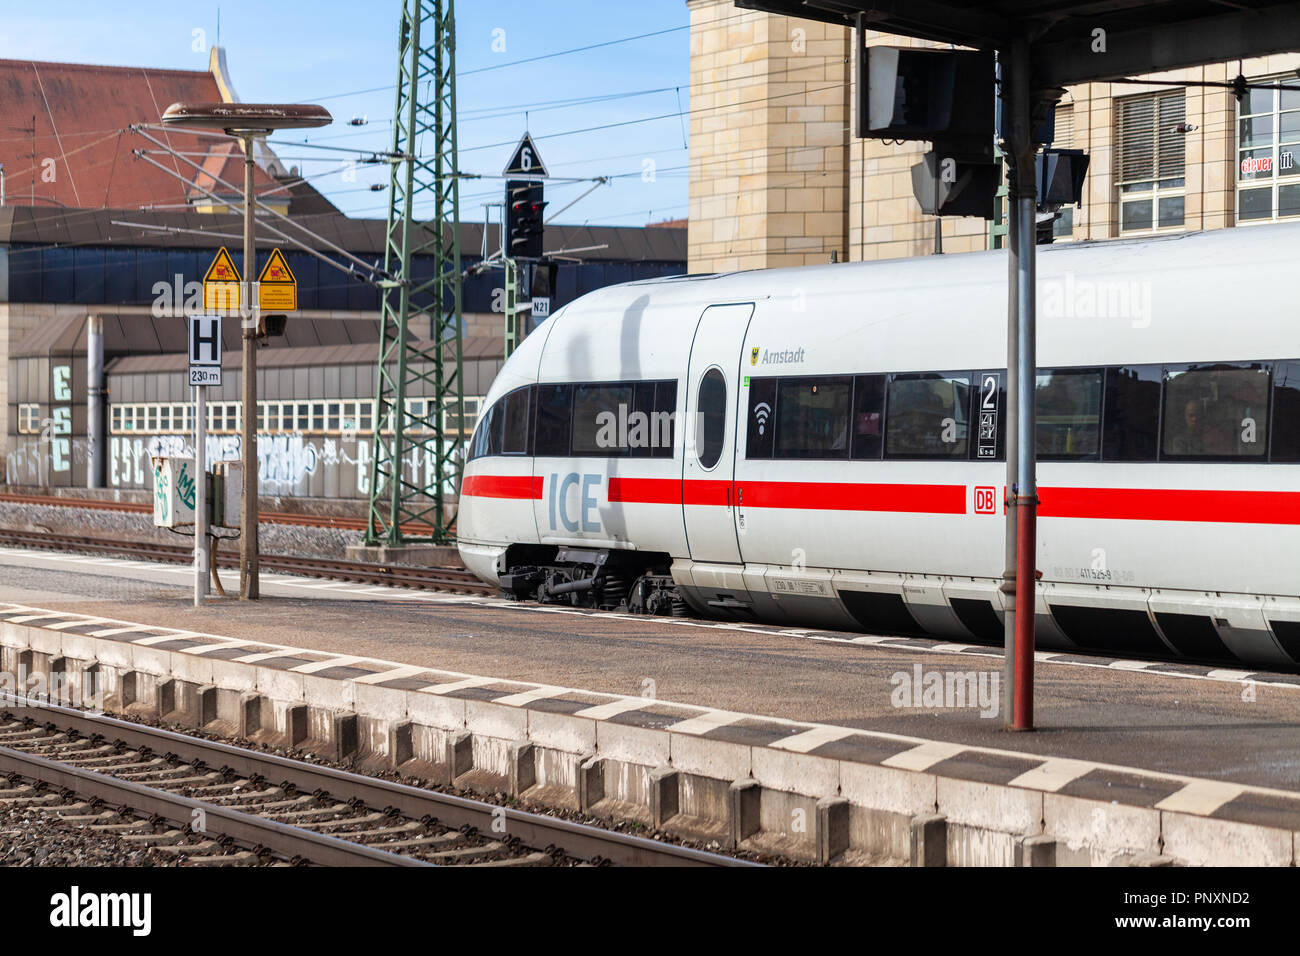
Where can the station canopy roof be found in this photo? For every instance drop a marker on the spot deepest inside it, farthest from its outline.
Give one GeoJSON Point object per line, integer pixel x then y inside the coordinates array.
{"type": "Point", "coordinates": [1141, 36]}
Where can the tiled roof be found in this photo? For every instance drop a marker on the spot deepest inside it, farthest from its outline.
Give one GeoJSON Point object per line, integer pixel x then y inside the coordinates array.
{"type": "Point", "coordinates": [64, 138]}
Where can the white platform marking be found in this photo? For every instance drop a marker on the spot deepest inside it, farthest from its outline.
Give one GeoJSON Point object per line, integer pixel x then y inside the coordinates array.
{"type": "Point", "coordinates": [464, 684]}
{"type": "Point", "coordinates": [393, 673]}
{"type": "Point", "coordinates": [163, 638]}
{"type": "Point", "coordinates": [1130, 665]}
{"type": "Point", "coordinates": [266, 655]}
{"type": "Point", "coordinates": [705, 722]}
{"type": "Point", "coordinates": [226, 642]}
{"type": "Point", "coordinates": [63, 625]}
{"type": "Point", "coordinates": [315, 666]}
{"type": "Point", "coordinates": [1232, 675]}
{"type": "Point", "coordinates": [1201, 797]}
{"type": "Point", "coordinates": [812, 739]}
{"type": "Point", "coordinates": [614, 708]}
{"type": "Point", "coordinates": [1053, 775]}
{"type": "Point", "coordinates": [528, 696]}
{"type": "Point", "coordinates": [925, 756]}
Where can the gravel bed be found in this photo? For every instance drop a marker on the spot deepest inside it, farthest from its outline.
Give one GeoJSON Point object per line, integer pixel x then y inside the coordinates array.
{"type": "Point", "coordinates": [29, 837]}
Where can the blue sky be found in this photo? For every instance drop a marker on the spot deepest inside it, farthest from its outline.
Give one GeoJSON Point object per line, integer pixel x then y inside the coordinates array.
{"type": "Point", "coordinates": [326, 51]}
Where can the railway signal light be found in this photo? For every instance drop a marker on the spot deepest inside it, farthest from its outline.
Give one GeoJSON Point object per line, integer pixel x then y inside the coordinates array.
{"type": "Point", "coordinates": [944, 96]}
{"type": "Point", "coordinates": [272, 325]}
{"type": "Point", "coordinates": [947, 186]}
{"type": "Point", "coordinates": [1060, 174]}
{"type": "Point", "coordinates": [524, 228]}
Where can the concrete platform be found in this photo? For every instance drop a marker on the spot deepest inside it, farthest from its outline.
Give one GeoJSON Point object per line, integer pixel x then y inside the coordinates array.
{"type": "Point", "coordinates": [768, 738]}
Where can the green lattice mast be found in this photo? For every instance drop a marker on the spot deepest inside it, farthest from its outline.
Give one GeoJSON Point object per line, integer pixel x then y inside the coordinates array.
{"type": "Point", "coordinates": [423, 168]}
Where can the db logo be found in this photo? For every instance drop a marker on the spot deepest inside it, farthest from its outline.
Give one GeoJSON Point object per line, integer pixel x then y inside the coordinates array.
{"type": "Point", "coordinates": [986, 501]}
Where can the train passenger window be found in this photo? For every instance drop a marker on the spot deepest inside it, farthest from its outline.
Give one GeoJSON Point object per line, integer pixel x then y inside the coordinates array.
{"type": "Point", "coordinates": [762, 420]}
{"type": "Point", "coordinates": [1286, 411]}
{"type": "Point", "coordinates": [514, 430]}
{"type": "Point", "coordinates": [1068, 414]}
{"type": "Point", "coordinates": [600, 419]}
{"type": "Point", "coordinates": [711, 405]}
{"type": "Point", "coordinates": [813, 417]}
{"type": "Point", "coordinates": [1216, 411]}
{"type": "Point", "coordinates": [650, 427]}
{"type": "Point", "coordinates": [487, 437]}
{"type": "Point", "coordinates": [928, 415]}
{"type": "Point", "coordinates": [554, 410]}
{"type": "Point", "coordinates": [868, 416]}
{"type": "Point", "coordinates": [1132, 414]}
{"type": "Point", "coordinates": [665, 412]}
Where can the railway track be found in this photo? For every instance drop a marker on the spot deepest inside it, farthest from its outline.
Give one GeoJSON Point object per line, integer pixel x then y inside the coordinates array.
{"type": "Point", "coordinates": [341, 522]}
{"type": "Point", "coordinates": [432, 579]}
{"type": "Point", "coordinates": [212, 803]}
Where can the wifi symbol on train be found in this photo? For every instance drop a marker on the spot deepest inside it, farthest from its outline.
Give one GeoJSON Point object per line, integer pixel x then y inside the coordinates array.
{"type": "Point", "coordinates": [762, 412]}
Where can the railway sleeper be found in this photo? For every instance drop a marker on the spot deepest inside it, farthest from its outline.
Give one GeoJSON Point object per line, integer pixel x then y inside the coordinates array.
{"type": "Point", "coordinates": [343, 824]}
{"type": "Point", "coordinates": [267, 806]}
{"type": "Point", "coordinates": [124, 827]}
{"type": "Point", "coordinates": [466, 853]}
{"type": "Point", "coordinates": [380, 833]}
{"type": "Point", "coordinates": [295, 815]}
{"type": "Point", "coordinates": [155, 838]}
{"type": "Point", "coordinates": [536, 858]}
{"type": "Point", "coordinates": [439, 840]}
{"type": "Point", "coordinates": [103, 816]}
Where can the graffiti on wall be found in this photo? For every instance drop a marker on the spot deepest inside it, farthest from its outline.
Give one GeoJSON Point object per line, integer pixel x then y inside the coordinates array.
{"type": "Point", "coordinates": [289, 463]}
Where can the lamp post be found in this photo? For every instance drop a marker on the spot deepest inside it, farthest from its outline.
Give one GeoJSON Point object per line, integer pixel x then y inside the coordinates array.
{"type": "Point", "coordinates": [246, 122]}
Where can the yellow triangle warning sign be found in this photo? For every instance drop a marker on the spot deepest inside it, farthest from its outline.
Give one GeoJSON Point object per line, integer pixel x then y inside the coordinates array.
{"type": "Point", "coordinates": [221, 285]}
{"type": "Point", "coordinates": [222, 268]}
{"type": "Point", "coordinates": [276, 269]}
{"type": "Point", "coordinates": [277, 289]}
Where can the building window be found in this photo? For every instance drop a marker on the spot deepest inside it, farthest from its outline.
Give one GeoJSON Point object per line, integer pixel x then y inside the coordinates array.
{"type": "Point", "coordinates": [29, 419]}
{"type": "Point", "coordinates": [1150, 162]}
{"type": "Point", "coordinates": [1268, 154]}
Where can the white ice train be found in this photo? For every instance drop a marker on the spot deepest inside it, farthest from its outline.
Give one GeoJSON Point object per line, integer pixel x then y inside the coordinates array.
{"type": "Point", "coordinates": [835, 449]}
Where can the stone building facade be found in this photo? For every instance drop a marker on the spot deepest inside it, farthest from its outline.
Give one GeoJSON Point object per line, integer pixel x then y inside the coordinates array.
{"type": "Point", "coordinates": [778, 178]}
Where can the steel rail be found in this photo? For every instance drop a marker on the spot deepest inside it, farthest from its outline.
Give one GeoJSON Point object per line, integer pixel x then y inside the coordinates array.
{"type": "Point", "coordinates": [438, 579]}
{"type": "Point", "coordinates": [245, 829]}
{"type": "Point", "coordinates": [537, 830]}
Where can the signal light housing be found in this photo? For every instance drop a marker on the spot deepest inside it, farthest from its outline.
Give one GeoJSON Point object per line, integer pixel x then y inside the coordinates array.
{"type": "Point", "coordinates": [523, 225]}
{"type": "Point", "coordinates": [270, 325]}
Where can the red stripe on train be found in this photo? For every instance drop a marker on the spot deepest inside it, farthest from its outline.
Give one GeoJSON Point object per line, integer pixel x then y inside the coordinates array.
{"type": "Point", "coordinates": [809, 496]}
{"type": "Point", "coordinates": [1122, 504]}
{"type": "Point", "coordinates": [846, 496]}
{"type": "Point", "coordinates": [502, 486]}
{"type": "Point", "coordinates": [1171, 504]}
{"type": "Point", "coordinates": [669, 491]}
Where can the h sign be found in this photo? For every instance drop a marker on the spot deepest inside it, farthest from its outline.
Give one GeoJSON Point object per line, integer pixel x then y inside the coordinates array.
{"type": "Point", "coordinates": [205, 340]}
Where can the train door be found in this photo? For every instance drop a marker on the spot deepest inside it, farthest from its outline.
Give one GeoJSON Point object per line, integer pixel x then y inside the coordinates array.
{"type": "Point", "coordinates": [709, 462]}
